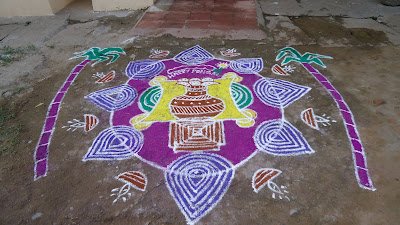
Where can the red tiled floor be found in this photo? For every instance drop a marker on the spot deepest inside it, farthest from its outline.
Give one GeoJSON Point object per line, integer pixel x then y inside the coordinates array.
{"type": "Point", "coordinates": [224, 1]}
{"type": "Point", "coordinates": [200, 16]}
{"type": "Point", "coordinates": [209, 2]}
{"type": "Point", "coordinates": [244, 14]}
{"type": "Point", "coordinates": [177, 16]}
{"type": "Point", "coordinates": [223, 10]}
{"type": "Point", "coordinates": [150, 24]}
{"type": "Point", "coordinates": [202, 8]}
{"type": "Point", "coordinates": [181, 8]}
{"type": "Point", "coordinates": [224, 5]}
{"type": "Point", "coordinates": [222, 25]}
{"type": "Point", "coordinates": [248, 11]}
{"type": "Point", "coordinates": [244, 17]}
{"type": "Point", "coordinates": [154, 16]}
{"type": "Point", "coordinates": [197, 24]}
{"type": "Point", "coordinates": [183, 3]}
{"type": "Point", "coordinates": [172, 24]}
{"type": "Point", "coordinates": [202, 3]}
{"type": "Point", "coordinates": [245, 25]}
{"type": "Point", "coordinates": [221, 16]}
{"type": "Point", "coordinates": [243, 4]}
{"type": "Point", "coordinates": [204, 14]}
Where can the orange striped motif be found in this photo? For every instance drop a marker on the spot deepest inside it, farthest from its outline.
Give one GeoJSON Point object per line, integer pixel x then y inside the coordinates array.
{"type": "Point", "coordinates": [262, 176]}
{"type": "Point", "coordinates": [135, 179]}
{"type": "Point", "coordinates": [91, 122]}
{"type": "Point", "coordinates": [196, 136]}
{"type": "Point", "coordinates": [278, 70]}
{"type": "Point", "coordinates": [230, 54]}
{"type": "Point", "coordinates": [107, 78]}
{"type": "Point", "coordinates": [159, 55]}
{"type": "Point", "coordinates": [308, 117]}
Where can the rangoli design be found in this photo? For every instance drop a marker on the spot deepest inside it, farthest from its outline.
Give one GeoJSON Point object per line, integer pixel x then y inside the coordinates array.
{"type": "Point", "coordinates": [282, 71]}
{"type": "Point", "coordinates": [158, 54]}
{"type": "Point", "coordinates": [104, 78]}
{"type": "Point", "coordinates": [94, 55]}
{"type": "Point", "coordinates": [230, 53]}
{"type": "Point", "coordinates": [88, 124]}
{"type": "Point", "coordinates": [289, 54]}
{"type": "Point", "coordinates": [209, 117]}
{"type": "Point", "coordinates": [131, 179]}
{"type": "Point", "coordinates": [265, 176]}
{"type": "Point", "coordinates": [308, 117]}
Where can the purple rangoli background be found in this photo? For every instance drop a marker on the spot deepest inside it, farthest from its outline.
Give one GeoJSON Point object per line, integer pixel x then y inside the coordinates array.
{"type": "Point", "coordinates": [239, 141]}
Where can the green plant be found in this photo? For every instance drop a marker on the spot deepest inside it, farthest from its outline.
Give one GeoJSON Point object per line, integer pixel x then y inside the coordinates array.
{"type": "Point", "coordinates": [9, 54]}
{"type": "Point", "coordinates": [9, 132]}
{"type": "Point", "coordinates": [18, 90]}
{"type": "Point", "coordinates": [7, 50]}
{"type": "Point", "coordinates": [4, 60]}
{"type": "Point", "coordinates": [32, 47]}
{"type": "Point", "coordinates": [5, 115]}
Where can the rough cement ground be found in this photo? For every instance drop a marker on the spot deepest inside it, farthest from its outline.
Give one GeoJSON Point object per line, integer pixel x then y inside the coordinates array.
{"type": "Point", "coordinates": [322, 186]}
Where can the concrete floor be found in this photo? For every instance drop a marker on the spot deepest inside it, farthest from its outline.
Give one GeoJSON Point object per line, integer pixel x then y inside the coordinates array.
{"type": "Point", "coordinates": [363, 41]}
{"type": "Point", "coordinates": [342, 8]}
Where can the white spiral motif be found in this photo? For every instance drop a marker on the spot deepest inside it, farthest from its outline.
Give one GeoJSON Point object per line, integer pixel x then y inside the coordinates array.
{"type": "Point", "coordinates": [279, 137]}
{"type": "Point", "coordinates": [247, 65]}
{"type": "Point", "coordinates": [144, 69]}
{"type": "Point", "coordinates": [197, 182]}
{"type": "Point", "coordinates": [278, 93]}
{"type": "Point", "coordinates": [115, 98]}
{"type": "Point", "coordinates": [193, 56]}
{"type": "Point", "coordinates": [115, 143]}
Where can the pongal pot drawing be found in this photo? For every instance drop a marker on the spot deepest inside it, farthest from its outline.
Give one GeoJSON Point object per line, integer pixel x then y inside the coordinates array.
{"type": "Point", "coordinates": [195, 129]}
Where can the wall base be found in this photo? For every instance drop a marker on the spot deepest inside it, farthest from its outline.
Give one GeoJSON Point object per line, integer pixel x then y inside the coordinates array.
{"type": "Point", "coordinates": [115, 5]}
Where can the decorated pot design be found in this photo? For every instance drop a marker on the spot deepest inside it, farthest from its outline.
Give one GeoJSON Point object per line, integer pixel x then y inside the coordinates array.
{"type": "Point", "coordinates": [196, 103]}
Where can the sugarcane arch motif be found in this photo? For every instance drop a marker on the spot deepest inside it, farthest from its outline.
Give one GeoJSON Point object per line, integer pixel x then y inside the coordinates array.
{"type": "Point", "coordinates": [197, 119]}
{"type": "Point", "coordinates": [41, 153]}
{"type": "Point", "coordinates": [290, 54]}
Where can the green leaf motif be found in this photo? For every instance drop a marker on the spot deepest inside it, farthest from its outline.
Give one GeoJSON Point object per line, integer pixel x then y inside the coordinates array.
{"type": "Point", "coordinates": [280, 55]}
{"type": "Point", "coordinates": [241, 95]}
{"type": "Point", "coordinates": [148, 100]}
{"type": "Point", "coordinates": [290, 54]}
{"type": "Point", "coordinates": [100, 55]}
{"type": "Point", "coordinates": [218, 70]}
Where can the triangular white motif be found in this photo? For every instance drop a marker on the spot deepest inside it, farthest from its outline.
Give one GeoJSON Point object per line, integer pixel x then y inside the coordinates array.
{"type": "Point", "coordinates": [193, 56]}
{"type": "Point", "coordinates": [278, 93]}
{"type": "Point", "coordinates": [115, 98]}
{"type": "Point", "coordinates": [197, 182]}
{"type": "Point", "coordinates": [247, 65]}
{"type": "Point", "coordinates": [119, 142]}
{"type": "Point", "coordinates": [279, 137]}
{"type": "Point", "coordinates": [144, 69]}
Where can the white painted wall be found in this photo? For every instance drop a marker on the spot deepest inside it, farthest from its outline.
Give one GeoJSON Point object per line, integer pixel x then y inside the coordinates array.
{"type": "Point", "coordinates": [114, 5]}
{"type": "Point", "coordinates": [57, 5]}
{"type": "Point", "coordinates": [10, 8]}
